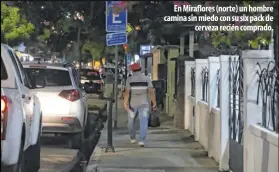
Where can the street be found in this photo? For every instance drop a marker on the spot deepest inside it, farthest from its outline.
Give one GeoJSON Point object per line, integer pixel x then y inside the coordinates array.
{"type": "Point", "coordinates": [138, 86]}
{"type": "Point", "coordinates": [56, 156]}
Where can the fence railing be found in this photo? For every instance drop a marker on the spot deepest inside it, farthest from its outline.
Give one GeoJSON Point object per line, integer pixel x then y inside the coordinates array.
{"type": "Point", "coordinates": [218, 87]}
{"type": "Point", "coordinates": [236, 121]}
{"type": "Point", "coordinates": [204, 83]}
{"type": "Point", "coordinates": [267, 95]}
{"type": "Point", "coordinates": [193, 82]}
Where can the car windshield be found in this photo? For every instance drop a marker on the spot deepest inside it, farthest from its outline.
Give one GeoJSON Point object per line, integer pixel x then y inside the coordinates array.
{"type": "Point", "coordinates": [4, 75]}
{"type": "Point", "coordinates": [52, 77]}
{"type": "Point", "coordinates": [90, 74]}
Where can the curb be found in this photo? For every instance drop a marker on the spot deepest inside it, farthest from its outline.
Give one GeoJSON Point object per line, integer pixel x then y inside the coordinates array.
{"type": "Point", "coordinates": [73, 163]}
{"type": "Point", "coordinates": [94, 160]}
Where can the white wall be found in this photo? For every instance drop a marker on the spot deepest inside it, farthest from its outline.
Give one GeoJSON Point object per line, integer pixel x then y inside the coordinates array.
{"type": "Point", "coordinates": [204, 119]}
{"type": "Point", "coordinates": [262, 150]}
{"type": "Point", "coordinates": [214, 134]}
{"type": "Point", "coordinates": [209, 124]}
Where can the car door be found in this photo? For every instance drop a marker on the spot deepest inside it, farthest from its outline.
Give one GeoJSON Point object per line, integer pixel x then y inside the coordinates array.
{"type": "Point", "coordinates": [76, 77]}
{"type": "Point", "coordinates": [26, 97]}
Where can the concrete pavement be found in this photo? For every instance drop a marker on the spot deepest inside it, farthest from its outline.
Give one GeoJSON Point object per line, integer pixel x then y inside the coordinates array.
{"type": "Point", "coordinates": [166, 150]}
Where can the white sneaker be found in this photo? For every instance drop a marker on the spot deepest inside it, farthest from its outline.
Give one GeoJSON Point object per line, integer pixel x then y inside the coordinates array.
{"type": "Point", "coordinates": [133, 141]}
{"type": "Point", "coordinates": [141, 144]}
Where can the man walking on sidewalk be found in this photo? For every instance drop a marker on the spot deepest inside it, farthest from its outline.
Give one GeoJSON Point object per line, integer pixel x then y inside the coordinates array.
{"type": "Point", "coordinates": [139, 90]}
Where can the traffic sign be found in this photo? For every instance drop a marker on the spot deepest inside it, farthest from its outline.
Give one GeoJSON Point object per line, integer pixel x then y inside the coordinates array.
{"type": "Point", "coordinates": [128, 58]}
{"type": "Point", "coordinates": [116, 16]}
{"type": "Point", "coordinates": [116, 38]}
{"type": "Point", "coordinates": [129, 29]}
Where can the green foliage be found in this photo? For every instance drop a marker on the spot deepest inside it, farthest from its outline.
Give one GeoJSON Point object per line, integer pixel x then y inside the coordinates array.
{"type": "Point", "coordinates": [94, 48]}
{"type": "Point", "coordinates": [46, 34]}
{"type": "Point", "coordinates": [13, 24]}
{"type": "Point", "coordinates": [252, 39]}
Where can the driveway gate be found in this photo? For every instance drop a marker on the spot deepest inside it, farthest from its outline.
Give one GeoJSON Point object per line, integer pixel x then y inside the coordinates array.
{"type": "Point", "coordinates": [236, 114]}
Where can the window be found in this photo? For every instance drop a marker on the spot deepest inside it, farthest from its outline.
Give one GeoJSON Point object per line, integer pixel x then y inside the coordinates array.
{"type": "Point", "coordinates": [76, 77]}
{"type": "Point", "coordinates": [4, 74]}
{"type": "Point", "coordinates": [90, 74]}
{"type": "Point", "coordinates": [51, 77]}
{"type": "Point", "coordinates": [15, 64]}
{"type": "Point", "coordinates": [26, 80]}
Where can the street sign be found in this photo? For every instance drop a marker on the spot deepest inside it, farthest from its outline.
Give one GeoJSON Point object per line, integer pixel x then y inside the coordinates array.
{"type": "Point", "coordinates": [116, 38]}
{"type": "Point", "coordinates": [128, 58]}
{"type": "Point", "coordinates": [145, 49]}
{"type": "Point", "coordinates": [129, 29]}
{"type": "Point", "coordinates": [116, 16]}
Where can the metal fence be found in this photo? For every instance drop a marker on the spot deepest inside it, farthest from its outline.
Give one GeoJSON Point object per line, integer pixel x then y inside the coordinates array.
{"type": "Point", "coordinates": [204, 83]}
{"type": "Point", "coordinates": [267, 95]}
{"type": "Point", "coordinates": [236, 122]}
{"type": "Point", "coordinates": [218, 87]}
{"type": "Point", "coordinates": [236, 98]}
{"type": "Point", "coordinates": [193, 82]}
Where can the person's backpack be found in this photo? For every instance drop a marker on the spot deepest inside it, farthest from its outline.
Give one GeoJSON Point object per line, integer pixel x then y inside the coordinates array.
{"type": "Point", "coordinates": [154, 120]}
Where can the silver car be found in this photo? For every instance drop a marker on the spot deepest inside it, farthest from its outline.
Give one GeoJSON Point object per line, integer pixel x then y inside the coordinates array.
{"type": "Point", "coordinates": [63, 100]}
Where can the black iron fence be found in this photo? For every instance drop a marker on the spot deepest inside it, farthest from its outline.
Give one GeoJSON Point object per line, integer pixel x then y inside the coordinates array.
{"type": "Point", "coordinates": [193, 82]}
{"type": "Point", "coordinates": [218, 87]}
{"type": "Point", "coordinates": [236, 122]}
{"type": "Point", "coordinates": [204, 83]}
{"type": "Point", "coordinates": [267, 95]}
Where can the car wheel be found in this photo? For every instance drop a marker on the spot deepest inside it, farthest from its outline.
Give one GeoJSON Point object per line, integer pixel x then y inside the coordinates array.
{"type": "Point", "coordinates": [76, 140]}
{"type": "Point", "coordinates": [34, 152]}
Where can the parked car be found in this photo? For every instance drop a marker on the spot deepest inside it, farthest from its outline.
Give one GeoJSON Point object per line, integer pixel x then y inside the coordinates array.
{"type": "Point", "coordinates": [63, 100]}
{"type": "Point", "coordinates": [21, 116]}
{"type": "Point", "coordinates": [92, 81]}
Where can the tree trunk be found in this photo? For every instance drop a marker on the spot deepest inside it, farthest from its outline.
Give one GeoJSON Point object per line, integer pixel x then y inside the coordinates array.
{"type": "Point", "coordinates": [78, 48]}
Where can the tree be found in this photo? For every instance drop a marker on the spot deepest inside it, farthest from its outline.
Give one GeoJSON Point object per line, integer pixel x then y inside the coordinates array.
{"type": "Point", "coordinates": [14, 25]}
{"type": "Point", "coordinates": [64, 24]}
{"type": "Point", "coordinates": [246, 39]}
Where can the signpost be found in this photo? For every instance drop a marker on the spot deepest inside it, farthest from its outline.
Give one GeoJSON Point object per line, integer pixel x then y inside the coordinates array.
{"type": "Point", "coordinates": [130, 29]}
{"type": "Point", "coordinates": [116, 22]}
{"type": "Point", "coordinates": [116, 16]}
{"type": "Point", "coordinates": [116, 38]}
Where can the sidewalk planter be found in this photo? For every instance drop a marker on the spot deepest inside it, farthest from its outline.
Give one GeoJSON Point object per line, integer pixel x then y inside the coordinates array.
{"type": "Point", "coordinates": [262, 150]}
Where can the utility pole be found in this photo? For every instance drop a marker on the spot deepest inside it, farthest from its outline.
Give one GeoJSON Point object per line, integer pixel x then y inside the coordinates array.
{"type": "Point", "coordinates": [78, 47]}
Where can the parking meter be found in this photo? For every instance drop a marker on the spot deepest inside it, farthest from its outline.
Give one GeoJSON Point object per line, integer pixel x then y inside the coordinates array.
{"type": "Point", "coordinates": [109, 80]}
{"type": "Point", "coordinates": [108, 93]}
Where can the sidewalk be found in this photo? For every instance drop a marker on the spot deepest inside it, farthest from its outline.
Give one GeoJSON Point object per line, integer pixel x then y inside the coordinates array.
{"type": "Point", "coordinates": [166, 150]}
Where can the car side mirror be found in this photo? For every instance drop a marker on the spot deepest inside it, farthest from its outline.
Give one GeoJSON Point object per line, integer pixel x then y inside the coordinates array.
{"type": "Point", "coordinates": [39, 82]}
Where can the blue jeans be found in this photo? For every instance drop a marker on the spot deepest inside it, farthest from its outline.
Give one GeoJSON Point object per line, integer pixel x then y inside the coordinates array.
{"type": "Point", "coordinates": [143, 113]}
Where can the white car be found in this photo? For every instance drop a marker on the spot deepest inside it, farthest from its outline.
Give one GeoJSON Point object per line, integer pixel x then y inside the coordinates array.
{"type": "Point", "coordinates": [63, 100]}
{"type": "Point", "coordinates": [21, 117]}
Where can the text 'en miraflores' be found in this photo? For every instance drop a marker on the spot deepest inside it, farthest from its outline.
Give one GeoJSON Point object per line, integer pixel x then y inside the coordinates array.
{"type": "Point", "coordinates": [190, 8]}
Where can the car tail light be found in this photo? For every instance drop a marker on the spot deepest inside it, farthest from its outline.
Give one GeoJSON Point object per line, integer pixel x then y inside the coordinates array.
{"type": "Point", "coordinates": [4, 113]}
{"type": "Point", "coordinates": [71, 95]}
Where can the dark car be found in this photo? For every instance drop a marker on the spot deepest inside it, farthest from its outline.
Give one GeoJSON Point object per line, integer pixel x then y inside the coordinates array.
{"type": "Point", "coordinates": [91, 81]}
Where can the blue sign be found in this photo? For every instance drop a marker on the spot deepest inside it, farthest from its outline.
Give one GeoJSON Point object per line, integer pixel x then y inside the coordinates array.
{"type": "Point", "coordinates": [116, 38]}
{"type": "Point", "coordinates": [145, 49]}
{"type": "Point", "coordinates": [21, 48]}
{"type": "Point", "coordinates": [116, 16]}
{"type": "Point", "coordinates": [128, 59]}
